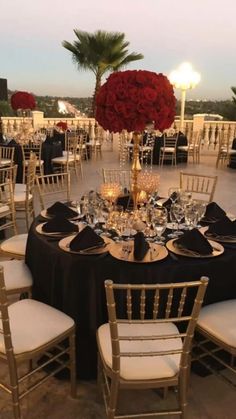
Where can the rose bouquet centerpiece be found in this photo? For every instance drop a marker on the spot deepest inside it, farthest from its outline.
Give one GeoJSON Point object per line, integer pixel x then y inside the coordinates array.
{"type": "Point", "coordinates": [62, 125]}
{"type": "Point", "coordinates": [131, 99]}
{"type": "Point", "coordinates": [22, 101]}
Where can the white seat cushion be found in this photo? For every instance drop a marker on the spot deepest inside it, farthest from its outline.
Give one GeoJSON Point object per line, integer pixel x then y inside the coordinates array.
{"type": "Point", "coordinates": [16, 274]}
{"type": "Point", "coordinates": [148, 367]}
{"type": "Point", "coordinates": [168, 149]}
{"type": "Point", "coordinates": [184, 147]}
{"type": "Point", "coordinates": [63, 159]}
{"type": "Point", "coordinates": [16, 244]}
{"type": "Point", "coordinates": [20, 187]}
{"type": "Point", "coordinates": [20, 196]}
{"type": "Point", "coordinates": [218, 319]}
{"type": "Point", "coordinates": [4, 208]}
{"type": "Point", "coordinates": [5, 162]}
{"type": "Point", "coordinates": [34, 324]}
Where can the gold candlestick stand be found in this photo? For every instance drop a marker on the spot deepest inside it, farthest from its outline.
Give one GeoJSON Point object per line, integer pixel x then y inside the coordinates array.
{"type": "Point", "coordinates": [136, 167]}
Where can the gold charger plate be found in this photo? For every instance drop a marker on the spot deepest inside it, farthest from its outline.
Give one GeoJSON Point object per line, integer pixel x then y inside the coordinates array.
{"type": "Point", "coordinates": [154, 254]}
{"type": "Point", "coordinates": [44, 214]}
{"type": "Point", "coordinates": [64, 244]}
{"type": "Point", "coordinates": [39, 229]}
{"type": "Point", "coordinates": [218, 249]}
{"type": "Point", "coordinates": [217, 238]}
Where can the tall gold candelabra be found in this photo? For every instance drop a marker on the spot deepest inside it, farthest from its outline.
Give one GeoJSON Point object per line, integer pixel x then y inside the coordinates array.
{"type": "Point", "coordinates": [136, 167]}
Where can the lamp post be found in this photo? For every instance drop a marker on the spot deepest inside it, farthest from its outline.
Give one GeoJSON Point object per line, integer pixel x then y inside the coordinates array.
{"type": "Point", "coordinates": [184, 78]}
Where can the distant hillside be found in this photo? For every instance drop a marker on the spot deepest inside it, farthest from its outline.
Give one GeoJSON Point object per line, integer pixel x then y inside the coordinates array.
{"type": "Point", "coordinates": [49, 105]}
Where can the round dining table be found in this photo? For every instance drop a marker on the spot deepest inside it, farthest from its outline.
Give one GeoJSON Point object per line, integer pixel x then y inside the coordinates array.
{"type": "Point", "coordinates": [74, 284]}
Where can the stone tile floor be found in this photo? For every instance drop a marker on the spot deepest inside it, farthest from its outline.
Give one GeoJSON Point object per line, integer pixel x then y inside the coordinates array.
{"type": "Point", "coordinates": [209, 398]}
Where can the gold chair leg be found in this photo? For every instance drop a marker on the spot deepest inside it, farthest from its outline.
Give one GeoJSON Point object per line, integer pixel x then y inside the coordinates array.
{"type": "Point", "coordinates": [113, 399]}
{"type": "Point", "coordinates": [16, 403]}
{"type": "Point", "coordinates": [73, 382]}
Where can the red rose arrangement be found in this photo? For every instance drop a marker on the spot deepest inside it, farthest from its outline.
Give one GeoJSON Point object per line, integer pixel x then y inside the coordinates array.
{"type": "Point", "coordinates": [131, 99]}
{"type": "Point", "coordinates": [62, 125]}
{"type": "Point", "coordinates": [22, 100]}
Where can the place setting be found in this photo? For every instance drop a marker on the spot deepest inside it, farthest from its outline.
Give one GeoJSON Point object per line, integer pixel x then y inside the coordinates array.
{"type": "Point", "coordinates": [138, 250]}
{"type": "Point", "coordinates": [193, 244]}
{"type": "Point", "coordinates": [86, 242]}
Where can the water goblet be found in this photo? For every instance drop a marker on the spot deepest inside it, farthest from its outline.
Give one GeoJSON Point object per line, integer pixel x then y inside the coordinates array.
{"type": "Point", "coordinates": [172, 225]}
{"type": "Point", "coordinates": [160, 219]}
{"type": "Point", "coordinates": [178, 212]}
{"type": "Point", "coordinates": [174, 194]}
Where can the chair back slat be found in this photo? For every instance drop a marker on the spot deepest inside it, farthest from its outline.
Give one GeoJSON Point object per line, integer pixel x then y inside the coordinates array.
{"type": "Point", "coordinates": [169, 303]}
{"type": "Point", "coordinates": [129, 304]}
{"type": "Point", "coordinates": [156, 303]}
{"type": "Point", "coordinates": [142, 304]}
{"type": "Point", "coordinates": [182, 301]}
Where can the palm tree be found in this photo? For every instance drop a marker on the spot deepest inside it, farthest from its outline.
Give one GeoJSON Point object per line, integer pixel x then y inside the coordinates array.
{"type": "Point", "coordinates": [100, 52]}
{"type": "Point", "coordinates": [234, 92]}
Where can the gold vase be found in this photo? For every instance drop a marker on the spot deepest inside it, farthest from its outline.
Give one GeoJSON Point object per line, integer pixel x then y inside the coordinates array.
{"type": "Point", "coordinates": [136, 167]}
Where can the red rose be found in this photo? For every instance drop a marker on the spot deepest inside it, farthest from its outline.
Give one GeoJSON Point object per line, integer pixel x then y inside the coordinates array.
{"type": "Point", "coordinates": [22, 100]}
{"type": "Point", "coordinates": [129, 99]}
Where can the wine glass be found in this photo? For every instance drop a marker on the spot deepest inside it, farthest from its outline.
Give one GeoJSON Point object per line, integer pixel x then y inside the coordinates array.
{"type": "Point", "coordinates": [174, 194]}
{"type": "Point", "coordinates": [178, 212]}
{"type": "Point", "coordinates": [172, 224]}
{"type": "Point", "coordinates": [160, 219]}
{"type": "Point", "coordinates": [190, 215]}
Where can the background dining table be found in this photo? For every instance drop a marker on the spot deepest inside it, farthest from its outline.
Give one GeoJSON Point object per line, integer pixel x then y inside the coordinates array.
{"type": "Point", "coordinates": [75, 284]}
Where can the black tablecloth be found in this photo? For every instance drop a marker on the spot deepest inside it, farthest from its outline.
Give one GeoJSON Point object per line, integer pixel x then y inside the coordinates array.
{"type": "Point", "coordinates": [181, 157]}
{"type": "Point", "coordinates": [75, 285]}
{"type": "Point", "coordinates": [232, 159]}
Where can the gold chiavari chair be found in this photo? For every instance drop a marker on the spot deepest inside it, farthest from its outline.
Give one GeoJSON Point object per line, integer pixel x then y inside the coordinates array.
{"type": "Point", "coordinates": [24, 200]}
{"type": "Point", "coordinates": [225, 151]}
{"type": "Point", "coordinates": [82, 146]}
{"type": "Point", "coordinates": [22, 341]}
{"type": "Point", "coordinates": [216, 339]}
{"type": "Point", "coordinates": [123, 177]}
{"type": "Point", "coordinates": [8, 174]}
{"type": "Point", "coordinates": [27, 150]}
{"type": "Point", "coordinates": [15, 246]}
{"type": "Point", "coordinates": [147, 344]}
{"type": "Point", "coordinates": [51, 188]}
{"type": "Point", "coordinates": [169, 148]}
{"type": "Point", "coordinates": [71, 159]}
{"type": "Point", "coordinates": [201, 186]}
{"type": "Point", "coordinates": [193, 147]}
{"type": "Point", "coordinates": [7, 207]}
{"type": "Point", "coordinates": [6, 156]}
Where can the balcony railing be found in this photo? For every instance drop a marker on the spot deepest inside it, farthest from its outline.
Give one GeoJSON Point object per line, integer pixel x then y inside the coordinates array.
{"type": "Point", "coordinates": [211, 130]}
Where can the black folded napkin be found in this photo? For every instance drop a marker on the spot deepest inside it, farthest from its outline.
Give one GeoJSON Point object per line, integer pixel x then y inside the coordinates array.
{"type": "Point", "coordinates": [85, 239]}
{"type": "Point", "coordinates": [224, 227]}
{"type": "Point", "coordinates": [167, 204]}
{"type": "Point", "coordinates": [61, 209]}
{"type": "Point", "coordinates": [59, 224]}
{"type": "Point", "coordinates": [195, 241]}
{"type": "Point", "coordinates": [124, 201]}
{"type": "Point", "coordinates": [140, 246]}
{"type": "Point", "coordinates": [213, 211]}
